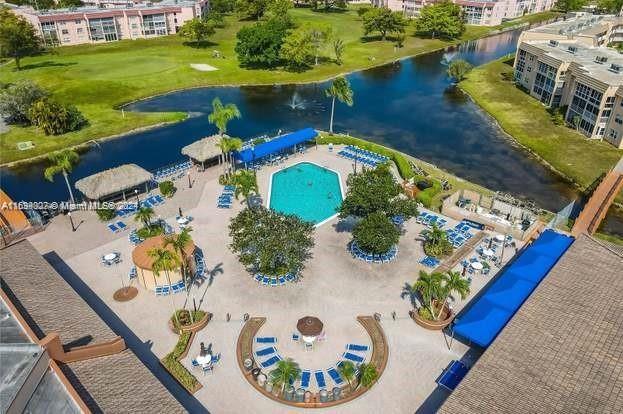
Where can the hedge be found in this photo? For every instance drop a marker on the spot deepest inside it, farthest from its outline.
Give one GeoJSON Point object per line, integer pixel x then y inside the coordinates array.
{"type": "Point", "coordinates": [404, 168]}
{"type": "Point", "coordinates": [426, 196]}
{"type": "Point", "coordinates": [173, 365]}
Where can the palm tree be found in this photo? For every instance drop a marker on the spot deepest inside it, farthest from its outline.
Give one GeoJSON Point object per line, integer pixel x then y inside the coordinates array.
{"type": "Point", "coordinates": [233, 144]}
{"type": "Point", "coordinates": [436, 235]}
{"type": "Point", "coordinates": [246, 184]}
{"type": "Point", "coordinates": [367, 374]}
{"type": "Point", "coordinates": [144, 215]}
{"type": "Point", "coordinates": [62, 162]}
{"type": "Point", "coordinates": [178, 242]}
{"type": "Point", "coordinates": [340, 89]}
{"type": "Point", "coordinates": [452, 282]}
{"type": "Point", "coordinates": [222, 114]}
{"type": "Point", "coordinates": [348, 372]}
{"type": "Point", "coordinates": [286, 373]}
{"type": "Point", "coordinates": [165, 260]}
{"type": "Point", "coordinates": [429, 286]}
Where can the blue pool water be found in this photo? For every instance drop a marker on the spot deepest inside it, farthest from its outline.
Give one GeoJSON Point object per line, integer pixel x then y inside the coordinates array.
{"type": "Point", "coordinates": [306, 190]}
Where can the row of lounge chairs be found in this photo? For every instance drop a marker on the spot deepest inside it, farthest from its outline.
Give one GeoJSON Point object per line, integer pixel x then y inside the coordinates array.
{"type": "Point", "coordinates": [132, 274]}
{"type": "Point", "coordinates": [398, 220]}
{"type": "Point", "coordinates": [430, 220]}
{"type": "Point", "coordinates": [134, 239]}
{"type": "Point", "coordinates": [200, 267]}
{"type": "Point", "coordinates": [360, 159]}
{"type": "Point", "coordinates": [459, 235]}
{"type": "Point", "coordinates": [272, 357]}
{"type": "Point", "coordinates": [274, 281]}
{"type": "Point", "coordinates": [117, 227]}
{"type": "Point", "coordinates": [430, 261]}
{"type": "Point", "coordinates": [358, 253]}
{"type": "Point", "coordinates": [166, 289]}
{"type": "Point", "coordinates": [351, 149]}
{"type": "Point", "coordinates": [130, 208]}
{"type": "Point", "coordinates": [173, 171]}
{"type": "Point", "coordinates": [226, 199]}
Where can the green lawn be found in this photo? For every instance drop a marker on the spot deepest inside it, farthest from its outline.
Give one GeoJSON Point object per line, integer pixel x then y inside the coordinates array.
{"type": "Point", "coordinates": [528, 121]}
{"type": "Point", "coordinates": [99, 78]}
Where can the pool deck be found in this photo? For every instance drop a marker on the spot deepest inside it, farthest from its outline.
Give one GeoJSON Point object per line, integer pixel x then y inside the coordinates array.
{"type": "Point", "coordinates": [335, 287]}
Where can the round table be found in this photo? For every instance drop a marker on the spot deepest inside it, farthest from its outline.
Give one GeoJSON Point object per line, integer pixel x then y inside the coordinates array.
{"type": "Point", "coordinates": [110, 257]}
{"type": "Point", "coordinates": [488, 252]}
{"type": "Point", "coordinates": [204, 360]}
{"type": "Point", "coordinates": [476, 265]}
{"type": "Point", "coordinates": [499, 237]}
{"type": "Point", "coordinates": [182, 220]}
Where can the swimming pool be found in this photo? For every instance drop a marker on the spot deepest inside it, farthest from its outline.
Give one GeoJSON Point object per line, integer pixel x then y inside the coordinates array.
{"type": "Point", "coordinates": [306, 190]}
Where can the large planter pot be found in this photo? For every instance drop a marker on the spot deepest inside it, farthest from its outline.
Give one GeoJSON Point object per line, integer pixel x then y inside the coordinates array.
{"type": "Point", "coordinates": [447, 318]}
{"type": "Point", "coordinates": [193, 327]}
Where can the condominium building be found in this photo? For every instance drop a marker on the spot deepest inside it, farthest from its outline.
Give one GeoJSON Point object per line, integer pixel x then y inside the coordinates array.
{"type": "Point", "coordinates": [107, 20]}
{"type": "Point", "coordinates": [584, 79]}
{"type": "Point", "coordinates": [585, 28]}
{"type": "Point", "coordinates": [482, 13]}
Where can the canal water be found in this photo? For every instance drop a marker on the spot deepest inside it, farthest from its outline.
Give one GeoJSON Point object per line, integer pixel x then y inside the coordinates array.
{"type": "Point", "coordinates": [408, 105]}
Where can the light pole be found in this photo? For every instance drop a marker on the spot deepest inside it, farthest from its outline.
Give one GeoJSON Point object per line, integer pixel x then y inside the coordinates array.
{"type": "Point", "coordinates": [71, 221]}
{"type": "Point", "coordinates": [190, 184]}
{"type": "Point", "coordinates": [138, 202]}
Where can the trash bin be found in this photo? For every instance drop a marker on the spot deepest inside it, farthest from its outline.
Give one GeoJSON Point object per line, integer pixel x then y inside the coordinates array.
{"type": "Point", "coordinates": [324, 395]}
{"type": "Point", "coordinates": [289, 394]}
{"type": "Point", "coordinates": [337, 393]}
{"type": "Point", "coordinates": [300, 395]}
{"type": "Point", "coordinates": [268, 386]}
{"type": "Point", "coordinates": [261, 380]}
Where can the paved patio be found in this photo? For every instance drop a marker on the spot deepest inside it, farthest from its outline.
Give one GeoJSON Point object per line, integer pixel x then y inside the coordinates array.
{"type": "Point", "coordinates": [335, 287]}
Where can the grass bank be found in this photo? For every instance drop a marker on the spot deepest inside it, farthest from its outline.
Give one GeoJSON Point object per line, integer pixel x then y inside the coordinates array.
{"type": "Point", "coordinates": [100, 78]}
{"type": "Point", "coordinates": [524, 118]}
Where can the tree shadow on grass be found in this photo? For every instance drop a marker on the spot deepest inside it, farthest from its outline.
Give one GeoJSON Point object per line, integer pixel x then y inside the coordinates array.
{"type": "Point", "coordinates": [47, 64]}
{"type": "Point", "coordinates": [200, 44]}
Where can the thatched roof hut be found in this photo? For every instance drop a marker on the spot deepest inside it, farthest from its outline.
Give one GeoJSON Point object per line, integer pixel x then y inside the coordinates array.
{"type": "Point", "coordinates": [113, 181]}
{"type": "Point", "coordinates": [204, 149]}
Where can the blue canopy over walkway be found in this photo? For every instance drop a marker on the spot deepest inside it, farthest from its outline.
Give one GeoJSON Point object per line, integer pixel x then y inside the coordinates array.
{"type": "Point", "coordinates": [276, 145]}
{"type": "Point", "coordinates": [488, 315]}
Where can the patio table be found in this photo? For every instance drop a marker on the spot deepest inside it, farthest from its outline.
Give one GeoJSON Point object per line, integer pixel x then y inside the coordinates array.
{"type": "Point", "coordinates": [499, 238]}
{"type": "Point", "coordinates": [110, 257]}
{"type": "Point", "coordinates": [476, 265]}
{"type": "Point", "coordinates": [204, 360]}
{"type": "Point", "coordinates": [488, 252]}
{"type": "Point", "coordinates": [182, 220]}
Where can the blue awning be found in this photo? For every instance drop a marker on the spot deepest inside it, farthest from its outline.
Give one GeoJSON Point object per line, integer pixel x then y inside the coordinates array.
{"type": "Point", "coordinates": [276, 145]}
{"type": "Point", "coordinates": [485, 317]}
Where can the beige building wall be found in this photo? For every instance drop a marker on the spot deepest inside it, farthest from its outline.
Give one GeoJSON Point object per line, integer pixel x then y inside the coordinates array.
{"type": "Point", "coordinates": [614, 128]}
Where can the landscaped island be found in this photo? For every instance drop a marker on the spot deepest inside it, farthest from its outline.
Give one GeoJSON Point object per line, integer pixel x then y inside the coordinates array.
{"type": "Point", "coordinates": [97, 79]}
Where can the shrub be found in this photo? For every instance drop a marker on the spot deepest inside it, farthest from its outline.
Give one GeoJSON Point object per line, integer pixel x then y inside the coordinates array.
{"type": "Point", "coordinates": [226, 179]}
{"type": "Point", "coordinates": [106, 214]}
{"type": "Point", "coordinates": [184, 317]}
{"type": "Point", "coordinates": [437, 243]}
{"type": "Point", "coordinates": [167, 188]}
{"type": "Point", "coordinates": [376, 233]}
{"type": "Point", "coordinates": [177, 370]}
{"type": "Point", "coordinates": [17, 99]}
{"type": "Point", "coordinates": [149, 231]}
{"type": "Point", "coordinates": [55, 118]}
{"type": "Point", "coordinates": [425, 314]}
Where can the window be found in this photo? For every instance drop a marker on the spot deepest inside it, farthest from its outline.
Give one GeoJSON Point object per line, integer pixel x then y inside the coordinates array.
{"type": "Point", "coordinates": [601, 131]}
{"type": "Point", "coordinates": [154, 24]}
{"type": "Point", "coordinates": [613, 134]}
{"type": "Point", "coordinates": [134, 26]}
{"type": "Point", "coordinates": [103, 29]}
{"type": "Point", "coordinates": [77, 21]}
{"type": "Point", "coordinates": [64, 31]}
{"type": "Point", "coordinates": [50, 35]}
{"type": "Point", "coordinates": [80, 30]}
{"type": "Point", "coordinates": [529, 69]}
{"type": "Point", "coordinates": [618, 120]}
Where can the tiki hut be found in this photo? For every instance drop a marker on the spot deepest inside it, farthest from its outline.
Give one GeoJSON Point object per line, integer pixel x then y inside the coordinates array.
{"type": "Point", "coordinates": [145, 263]}
{"type": "Point", "coordinates": [115, 183]}
{"type": "Point", "coordinates": [204, 152]}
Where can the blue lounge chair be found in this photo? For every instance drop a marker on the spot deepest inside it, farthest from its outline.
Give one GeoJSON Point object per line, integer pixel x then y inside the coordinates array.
{"type": "Point", "coordinates": [335, 376]}
{"type": "Point", "coordinates": [452, 375]}
{"type": "Point", "coordinates": [266, 351]}
{"type": "Point", "coordinates": [266, 280]}
{"type": "Point", "coordinates": [112, 228]}
{"type": "Point", "coordinates": [121, 225]}
{"type": "Point", "coordinates": [295, 337]}
{"type": "Point", "coordinates": [266, 340]}
{"type": "Point", "coordinates": [258, 277]}
{"type": "Point", "coordinates": [282, 280]}
{"type": "Point", "coordinates": [270, 361]}
{"type": "Point", "coordinates": [195, 363]}
{"type": "Point", "coordinates": [305, 377]}
{"type": "Point", "coordinates": [352, 357]}
{"type": "Point", "coordinates": [320, 379]}
{"type": "Point", "coordinates": [355, 347]}
{"type": "Point", "coordinates": [273, 281]}
{"type": "Point", "coordinates": [158, 198]}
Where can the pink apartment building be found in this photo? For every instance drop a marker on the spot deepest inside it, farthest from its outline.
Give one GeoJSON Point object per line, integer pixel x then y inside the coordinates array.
{"type": "Point", "coordinates": [110, 21]}
{"type": "Point", "coordinates": [482, 13]}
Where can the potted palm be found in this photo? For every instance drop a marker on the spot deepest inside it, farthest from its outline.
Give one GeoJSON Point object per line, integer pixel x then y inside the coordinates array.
{"type": "Point", "coordinates": [348, 372]}
{"type": "Point", "coordinates": [434, 289]}
{"type": "Point", "coordinates": [286, 373]}
{"type": "Point", "coordinates": [367, 375]}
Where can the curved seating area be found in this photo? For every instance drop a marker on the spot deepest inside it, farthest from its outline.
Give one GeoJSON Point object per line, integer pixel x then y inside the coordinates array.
{"type": "Point", "coordinates": [369, 158]}
{"type": "Point", "coordinates": [332, 389]}
{"type": "Point", "coordinates": [360, 254]}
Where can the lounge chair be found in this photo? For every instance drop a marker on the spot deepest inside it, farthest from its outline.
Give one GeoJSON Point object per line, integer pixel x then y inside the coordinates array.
{"type": "Point", "coordinates": [320, 379]}
{"type": "Point", "coordinates": [352, 357]}
{"type": "Point", "coordinates": [121, 225]}
{"type": "Point", "coordinates": [112, 228]}
{"type": "Point", "coordinates": [266, 351]}
{"type": "Point", "coordinates": [266, 340]}
{"type": "Point", "coordinates": [452, 375]}
{"type": "Point", "coordinates": [295, 337]}
{"type": "Point", "coordinates": [355, 347]}
{"type": "Point", "coordinates": [335, 376]}
{"type": "Point", "coordinates": [270, 361]}
{"type": "Point", "coordinates": [305, 377]}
